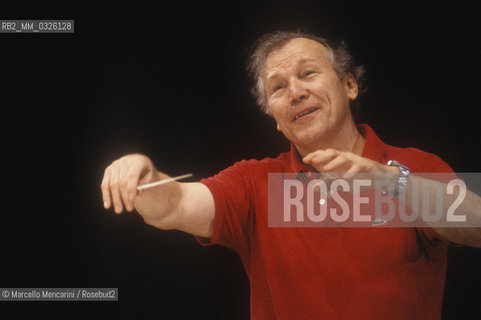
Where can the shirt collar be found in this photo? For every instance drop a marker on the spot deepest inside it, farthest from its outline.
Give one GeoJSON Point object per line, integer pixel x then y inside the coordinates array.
{"type": "Point", "coordinates": [374, 148]}
{"type": "Point", "coordinates": [296, 162]}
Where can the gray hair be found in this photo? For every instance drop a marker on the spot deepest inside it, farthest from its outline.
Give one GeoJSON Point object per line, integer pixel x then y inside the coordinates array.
{"type": "Point", "coordinates": [342, 62]}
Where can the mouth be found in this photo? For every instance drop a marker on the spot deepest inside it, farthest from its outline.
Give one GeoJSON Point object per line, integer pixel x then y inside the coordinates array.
{"type": "Point", "coordinates": [305, 113]}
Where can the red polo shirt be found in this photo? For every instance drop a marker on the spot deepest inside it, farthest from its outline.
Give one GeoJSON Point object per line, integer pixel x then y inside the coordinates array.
{"type": "Point", "coordinates": [328, 273]}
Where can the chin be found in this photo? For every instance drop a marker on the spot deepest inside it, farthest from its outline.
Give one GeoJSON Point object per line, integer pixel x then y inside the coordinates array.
{"type": "Point", "coordinates": [308, 137]}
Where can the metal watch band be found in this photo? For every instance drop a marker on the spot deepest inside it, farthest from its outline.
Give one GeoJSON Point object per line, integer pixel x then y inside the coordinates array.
{"type": "Point", "coordinates": [402, 180]}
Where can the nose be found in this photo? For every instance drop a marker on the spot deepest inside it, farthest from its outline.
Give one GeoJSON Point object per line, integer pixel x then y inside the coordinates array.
{"type": "Point", "coordinates": [297, 91]}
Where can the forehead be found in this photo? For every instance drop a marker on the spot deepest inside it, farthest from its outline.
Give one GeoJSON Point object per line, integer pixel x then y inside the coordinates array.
{"type": "Point", "coordinates": [296, 51]}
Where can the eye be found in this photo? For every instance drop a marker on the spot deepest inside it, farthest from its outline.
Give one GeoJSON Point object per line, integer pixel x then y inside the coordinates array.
{"type": "Point", "coordinates": [307, 73]}
{"type": "Point", "coordinates": [277, 87]}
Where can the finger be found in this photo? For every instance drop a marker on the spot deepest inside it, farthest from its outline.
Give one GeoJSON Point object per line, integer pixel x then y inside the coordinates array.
{"type": "Point", "coordinates": [123, 186]}
{"type": "Point", "coordinates": [105, 188]}
{"type": "Point", "coordinates": [133, 179]}
{"type": "Point", "coordinates": [309, 157]}
{"type": "Point", "coordinates": [352, 172]}
{"type": "Point", "coordinates": [128, 184]}
{"type": "Point", "coordinates": [114, 189]}
{"type": "Point", "coordinates": [320, 158]}
{"type": "Point", "coordinates": [339, 163]}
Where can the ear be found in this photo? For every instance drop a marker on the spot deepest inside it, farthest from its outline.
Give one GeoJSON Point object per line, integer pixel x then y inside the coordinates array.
{"type": "Point", "coordinates": [278, 128]}
{"type": "Point", "coordinates": [351, 86]}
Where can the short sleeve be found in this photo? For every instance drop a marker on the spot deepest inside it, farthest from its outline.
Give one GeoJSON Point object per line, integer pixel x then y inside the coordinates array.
{"type": "Point", "coordinates": [430, 162]}
{"type": "Point", "coordinates": [231, 191]}
{"type": "Point", "coordinates": [438, 170]}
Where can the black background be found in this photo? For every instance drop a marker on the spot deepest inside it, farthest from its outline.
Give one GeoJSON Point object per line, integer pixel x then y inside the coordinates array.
{"type": "Point", "coordinates": [168, 80]}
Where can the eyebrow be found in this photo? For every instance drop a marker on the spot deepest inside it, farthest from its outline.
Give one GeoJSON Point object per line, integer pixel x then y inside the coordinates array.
{"type": "Point", "coordinates": [305, 60]}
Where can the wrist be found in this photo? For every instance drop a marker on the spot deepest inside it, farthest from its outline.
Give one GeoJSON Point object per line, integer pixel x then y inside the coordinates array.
{"type": "Point", "coordinates": [393, 173]}
{"type": "Point", "coordinates": [402, 176]}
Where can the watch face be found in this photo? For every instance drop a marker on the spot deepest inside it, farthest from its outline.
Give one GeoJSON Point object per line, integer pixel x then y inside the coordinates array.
{"type": "Point", "coordinates": [393, 163]}
{"type": "Point", "coordinates": [397, 164]}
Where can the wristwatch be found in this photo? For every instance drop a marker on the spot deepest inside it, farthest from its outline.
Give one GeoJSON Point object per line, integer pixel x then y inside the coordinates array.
{"type": "Point", "coordinates": [403, 177]}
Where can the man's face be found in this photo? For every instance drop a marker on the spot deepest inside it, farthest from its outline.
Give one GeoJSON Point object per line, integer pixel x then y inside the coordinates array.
{"type": "Point", "coordinates": [306, 97]}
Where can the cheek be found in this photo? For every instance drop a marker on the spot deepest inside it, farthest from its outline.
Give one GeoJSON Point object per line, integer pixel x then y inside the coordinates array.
{"type": "Point", "coordinates": [340, 91]}
{"type": "Point", "coordinates": [278, 111]}
{"type": "Point", "coordinates": [320, 90]}
{"type": "Point", "coordinates": [329, 89]}
{"type": "Point", "coordinates": [280, 120]}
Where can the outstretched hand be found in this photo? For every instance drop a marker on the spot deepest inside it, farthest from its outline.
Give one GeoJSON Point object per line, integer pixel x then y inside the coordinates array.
{"type": "Point", "coordinates": [121, 179]}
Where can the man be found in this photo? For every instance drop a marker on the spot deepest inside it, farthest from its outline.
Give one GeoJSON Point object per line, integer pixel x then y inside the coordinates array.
{"type": "Point", "coordinates": [307, 85]}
